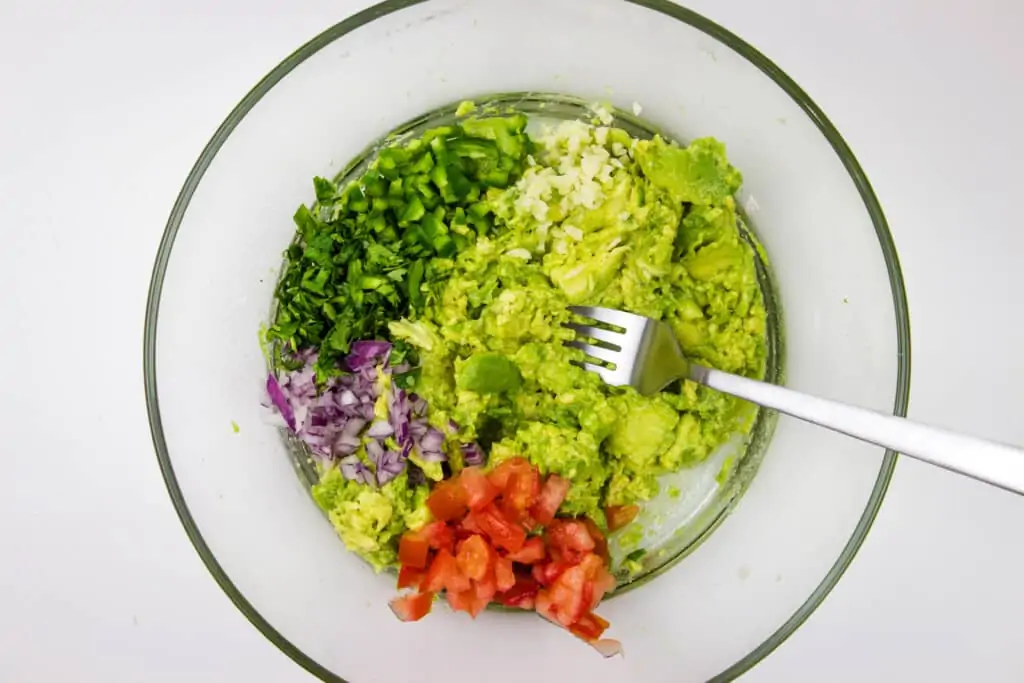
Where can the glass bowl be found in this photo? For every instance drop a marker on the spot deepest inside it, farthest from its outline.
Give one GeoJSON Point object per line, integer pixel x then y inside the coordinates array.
{"type": "Point", "coordinates": [771, 559]}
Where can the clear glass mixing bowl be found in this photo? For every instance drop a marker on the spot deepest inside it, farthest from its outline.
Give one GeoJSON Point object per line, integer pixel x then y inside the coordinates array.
{"type": "Point", "coordinates": [741, 590]}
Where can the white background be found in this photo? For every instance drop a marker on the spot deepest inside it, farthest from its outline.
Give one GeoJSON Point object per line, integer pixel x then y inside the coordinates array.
{"type": "Point", "coordinates": [104, 107]}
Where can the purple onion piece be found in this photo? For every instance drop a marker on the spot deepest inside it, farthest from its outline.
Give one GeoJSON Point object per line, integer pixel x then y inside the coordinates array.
{"type": "Point", "coordinates": [355, 470]}
{"type": "Point", "coordinates": [433, 456]}
{"type": "Point", "coordinates": [380, 429]}
{"type": "Point", "coordinates": [280, 401]}
{"type": "Point", "coordinates": [365, 354]}
{"type": "Point", "coordinates": [353, 427]}
{"type": "Point", "coordinates": [418, 428]}
{"type": "Point", "coordinates": [367, 477]}
{"type": "Point", "coordinates": [472, 454]}
{"type": "Point", "coordinates": [398, 415]}
{"type": "Point", "coordinates": [433, 440]}
{"type": "Point", "coordinates": [346, 445]}
{"type": "Point", "coordinates": [418, 406]}
{"type": "Point", "coordinates": [374, 449]}
{"type": "Point", "coordinates": [389, 466]}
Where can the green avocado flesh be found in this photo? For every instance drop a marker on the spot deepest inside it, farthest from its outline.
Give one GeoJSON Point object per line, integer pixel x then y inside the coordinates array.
{"type": "Point", "coordinates": [584, 214]}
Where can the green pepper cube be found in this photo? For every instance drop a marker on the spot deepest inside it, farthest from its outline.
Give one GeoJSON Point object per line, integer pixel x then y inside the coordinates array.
{"type": "Point", "coordinates": [444, 246]}
{"type": "Point", "coordinates": [473, 148]}
{"type": "Point", "coordinates": [422, 165]}
{"type": "Point", "coordinates": [506, 132]}
{"type": "Point", "coordinates": [432, 226]}
{"type": "Point", "coordinates": [414, 211]}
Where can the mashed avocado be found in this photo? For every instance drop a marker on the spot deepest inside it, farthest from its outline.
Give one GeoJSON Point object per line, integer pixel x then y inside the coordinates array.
{"type": "Point", "coordinates": [370, 520]}
{"type": "Point", "coordinates": [597, 218]}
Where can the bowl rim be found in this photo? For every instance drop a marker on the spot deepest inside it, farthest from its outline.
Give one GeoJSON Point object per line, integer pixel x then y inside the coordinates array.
{"type": "Point", "coordinates": [679, 13]}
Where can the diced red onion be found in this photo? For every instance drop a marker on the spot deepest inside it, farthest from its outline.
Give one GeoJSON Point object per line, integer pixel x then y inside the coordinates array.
{"type": "Point", "coordinates": [340, 420]}
{"type": "Point", "coordinates": [472, 454]}
{"type": "Point", "coordinates": [433, 456]}
{"type": "Point", "coordinates": [380, 429]}
{"type": "Point", "coordinates": [418, 428]}
{"type": "Point", "coordinates": [347, 444]}
{"type": "Point", "coordinates": [418, 405]}
{"type": "Point", "coordinates": [353, 427]}
{"type": "Point", "coordinates": [389, 466]}
{"type": "Point", "coordinates": [433, 440]}
{"type": "Point", "coordinates": [374, 449]}
{"type": "Point", "coordinates": [355, 470]}
{"type": "Point", "coordinates": [280, 401]}
{"type": "Point", "coordinates": [398, 414]}
{"type": "Point", "coordinates": [366, 354]}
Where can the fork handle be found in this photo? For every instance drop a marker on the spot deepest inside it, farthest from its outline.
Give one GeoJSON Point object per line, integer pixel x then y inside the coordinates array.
{"type": "Point", "coordinates": [987, 461]}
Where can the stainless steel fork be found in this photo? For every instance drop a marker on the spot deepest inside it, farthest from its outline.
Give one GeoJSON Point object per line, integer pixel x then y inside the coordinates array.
{"type": "Point", "coordinates": [643, 353]}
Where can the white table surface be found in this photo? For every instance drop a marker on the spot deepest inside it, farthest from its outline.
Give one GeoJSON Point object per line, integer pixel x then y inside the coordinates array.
{"type": "Point", "coordinates": [105, 105]}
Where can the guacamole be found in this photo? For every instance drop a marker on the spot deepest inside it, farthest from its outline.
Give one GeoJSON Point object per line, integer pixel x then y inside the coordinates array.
{"type": "Point", "coordinates": [503, 242]}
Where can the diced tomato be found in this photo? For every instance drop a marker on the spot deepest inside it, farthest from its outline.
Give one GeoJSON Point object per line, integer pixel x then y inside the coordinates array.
{"type": "Point", "coordinates": [532, 551]}
{"type": "Point", "coordinates": [444, 574]}
{"type": "Point", "coordinates": [469, 525]}
{"type": "Point", "coordinates": [499, 476]}
{"type": "Point", "coordinates": [413, 550]}
{"type": "Point", "coordinates": [502, 532]}
{"type": "Point", "coordinates": [599, 579]}
{"type": "Point", "coordinates": [478, 605]}
{"type": "Point", "coordinates": [569, 596]}
{"type": "Point", "coordinates": [479, 489]}
{"type": "Point", "coordinates": [547, 574]}
{"type": "Point", "coordinates": [522, 490]}
{"type": "Point", "coordinates": [549, 499]}
{"type": "Point", "coordinates": [409, 577]}
{"type": "Point", "coordinates": [600, 543]}
{"type": "Point", "coordinates": [519, 482]}
{"type": "Point", "coordinates": [412, 607]}
{"type": "Point", "coordinates": [504, 576]}
{"type": "Point", "coordinates": [447, 501]}
{"type": "Point", "coordinates": [477, 550]}
{"type": "Point", "coordinates": [459, 601]}
{"type": "Point", "coordinates": [620, 515]}
{"type": "Point", "coordinates": [544, 606]}
{"type": "Point", "coordinates": [486, 587]}
{"type": "Point", "coordinates": [520, 495]}
{"type": "Point", "coordinates": [569, 540]}
{"type": "Point", "coordinates": [438, 536]}
{"type": "Point", "coordinates": [475, 557]}
{"type": "Point", "coordinates": [466, 601]}
{"type": "Point", "coordinates": [589, 627]}
{"type": "Point", "coordinates": [520, 595]}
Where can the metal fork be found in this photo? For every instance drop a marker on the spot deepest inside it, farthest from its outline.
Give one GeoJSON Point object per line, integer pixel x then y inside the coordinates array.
{"type": "Point", "coordinates": [643, 353]}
